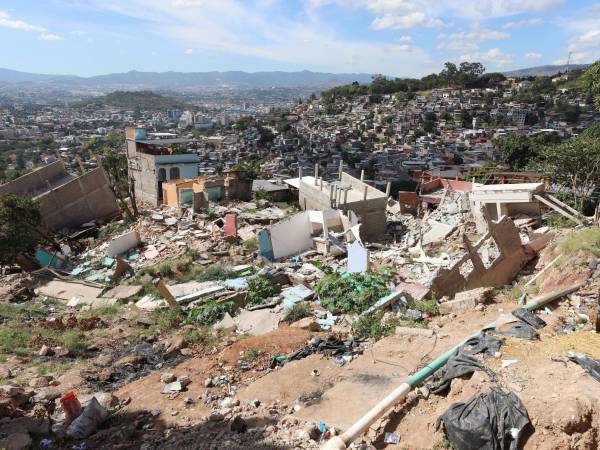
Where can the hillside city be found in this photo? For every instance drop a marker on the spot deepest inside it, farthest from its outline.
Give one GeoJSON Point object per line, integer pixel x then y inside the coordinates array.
{"type": "Point", "coordinates": [301, 260]}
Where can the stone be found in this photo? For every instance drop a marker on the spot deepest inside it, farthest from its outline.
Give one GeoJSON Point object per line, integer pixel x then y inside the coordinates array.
{"type": "Point", "coordinates": [184, 380]}
{"type": "Point", "coordinates": [16, 441]}
{"type": "Point", "coordinates": [216, 417]}
{"type": "Point", "coordinates": [238, 425]}
{"type": "Point", "coordinates": [175, 344]}
{"type": "Point", "coordinates": [229, 402]}
{"type": "Point", "coordinates": [168, 377]}
{"type": "Point", "coordinates": [171, 388]}
{"type": "Point", "coordinates": [39, 382]}
{"type": "Point", "coordinates": [44, 350]}
{"type": "Point", "coordinates": [5, 373]}
{"type": "Point", "coordinates": [208, 382]}
{"type": "Point", "coordinates": [133, 360]}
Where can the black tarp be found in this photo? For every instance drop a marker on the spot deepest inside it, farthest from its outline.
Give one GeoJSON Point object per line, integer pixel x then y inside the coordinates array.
{"type": "Point", "coordinates": [591, 366]}
{"type": "Point", "coordinates": [493, 420]}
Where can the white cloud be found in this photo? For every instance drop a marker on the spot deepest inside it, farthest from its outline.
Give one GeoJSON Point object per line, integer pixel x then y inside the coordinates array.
{"type": "Point", "coordinates": [469, 41]}
{"type": "Point", "coordinates": [51, 37]}
{"type": "Point", "coordinates": [189, 51]}
{"type": "Point", "coordinates": [256, 30]}
{"type": "Point", "coordinates": [405, 38]}
{"type": "Point", "coordinates": [522, 23]}
{"type": "Point", "coordinates": [7, 22]}
{"type": "Point", "coordinates": [494, 57]}
{"type": "Point", "coordinates": [532, 56]}
{"type": "Point", "coordinates": [404, 21]}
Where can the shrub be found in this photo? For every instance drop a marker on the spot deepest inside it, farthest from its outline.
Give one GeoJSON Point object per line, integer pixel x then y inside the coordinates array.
{"type": "Point", "coordinates": [167, 318]}
{"type": "Point", "coordinates": [259, 289]}
{"type": "Point", "coordinates": [429, 306]}
{"type": "Point", "coordinates": [14, 340]}
{"type": "Point", "coordinates": [202, 336]}
{"type": "Point", "coordinates": [351, 293]}
{"type": "Point", "coordinates": [209, 312]}
{"type": "Point", "coordinates": [298, 311]}
{"type": "Point", "coordinates": [373, 326]}
{"type": "Point", "coordinates": [588, 240]}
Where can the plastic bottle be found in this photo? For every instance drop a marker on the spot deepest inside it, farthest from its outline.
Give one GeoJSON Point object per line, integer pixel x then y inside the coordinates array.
{"type": "Point", "coordinates": [71, 406]}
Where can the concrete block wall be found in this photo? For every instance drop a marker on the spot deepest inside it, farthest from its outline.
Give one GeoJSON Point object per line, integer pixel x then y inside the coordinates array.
{"type": "Point", "coordinates": [35, 181]}
{"type": "Point", "coordinates": [78, 201]}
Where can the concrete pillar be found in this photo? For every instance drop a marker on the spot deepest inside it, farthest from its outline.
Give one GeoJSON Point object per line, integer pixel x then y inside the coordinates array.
{"type": "Point", "coordinates": [388, 188]}
{"type": "Point", "coordinates": [330, 193]}
{"type": "Point", "coordinates": [362, 175]}
{"type": "Point", "coordinates": [341, 167]}
{"type": "Point", "coordinates": [321, 181]}
{"type": "Point", "coordinates": [498, 210]}
{"type": "Point", "coordinates": [335, 189]}
{"type": "Point", "coordinates": [346, 196]}
{"type": "Point", "coordinates": [316, 173]}
{"type": "Point", "coordinates": [300, 172]}
{"type": "Point", "coordinates": [365, 196]}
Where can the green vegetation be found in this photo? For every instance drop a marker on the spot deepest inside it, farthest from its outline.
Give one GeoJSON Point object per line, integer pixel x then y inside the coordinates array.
{"type": "Point", "coordinates": [11, 311]}
{"type": "Point", "coordinates": [259, 289]}
{"type": "Point", "coordinates": [106, 311]}
{"type": "Point", "coordinates": [14, 339]}
{"type": "Point", "coordinates": [351, 293]}
{"type": "Point", "coordinates": [587, 240]}
{"type": "Point", "coordinates": [251, 244]}
{"type": "Point", "coordinates": [202, 336]}
{"type": "Point", "coordinates": [136, 100]}
{"type": "Point", "coordinates": [167, 318]}
{"type": "Point", "coordinates": [444, 444]}
{"type": "Point", "coordinates": [428, 306]}
{"type": "Point", "coordinates": [590, 81]}
{"type": "Point", "coordinates": [374, 326]}
{"type": "Point", "coordinates": [22, 232]}
{"type": "Point", "coordinates": [298, 311]}
{"type": "Point", "coordinates": [557, 220]}
{"type": "Point", "coordinates": [209, 312]}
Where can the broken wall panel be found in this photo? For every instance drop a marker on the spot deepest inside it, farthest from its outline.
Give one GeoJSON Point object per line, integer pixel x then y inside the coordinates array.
{"type": "Point", "coordinates": [291, 236]}
{"type": "Point", "coordinates": [513, 257]}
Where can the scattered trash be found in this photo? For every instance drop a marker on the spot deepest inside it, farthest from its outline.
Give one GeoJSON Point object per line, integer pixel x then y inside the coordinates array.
{"type": "Point", "coordinates": [391, 438]}
{"type": "Point", "coordinates": [591, 366]}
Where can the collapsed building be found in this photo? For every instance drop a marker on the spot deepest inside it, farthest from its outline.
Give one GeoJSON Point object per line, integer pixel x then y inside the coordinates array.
{"type": "Point", "coordinates": [346, 194]}
{"type": "Point", "coordinates": [65, 200]}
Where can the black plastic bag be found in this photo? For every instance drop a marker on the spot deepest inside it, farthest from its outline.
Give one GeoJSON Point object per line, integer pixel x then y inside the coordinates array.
{"type": "Point", "coordinates": [529, 318]}
{"type": "Point", "coordinates": [493, 420]}
{"type": "Point", "coordinates": [591, 366]}
{"type": "Point", "coordinates": [463, 361]}
{"type": "Point", "coordinates": [520, 330]}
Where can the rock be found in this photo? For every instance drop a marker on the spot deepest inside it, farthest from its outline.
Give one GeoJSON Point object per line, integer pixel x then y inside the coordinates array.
{"type": "Point", "coordinates": [8, 390]}
{"type": "Point", "coordinates": [103, 360]}
{"type": "Point", "coordinates": [216, 417]}
{"type": "Point", "coordinates": [184, 380]}
{"type": "Point", "coordinates": [176, 343]}
{"type": "Point", "coordinates": [307, 323]}
{"type": "Point", "coordinates": [168, 377]}
{"type": "Point", "coordinates": [208, 382]}
{"type": "Point", "coordinates": [39, 382]}
{"type": "Point", "coordinates": [133, 360]}
{"type": "Point", "coordinates": [16, 441]}
{"type": "Point", "coordinates": [60, 351]}
{"type": "Point", "coordinates": [47, 394]}
{"type": "Point", "coordinates": [44, 351]}
{"type": "Point", "coordinates": [106, 399]}
{"type": "Point", "coordinates": [238, 425]}
{"type": "Point", "coordinates": [229, 402]}
{"type": "Point", "coordinates": [5, 373]}
{"type": "Point", "coordinates": [171, 388]}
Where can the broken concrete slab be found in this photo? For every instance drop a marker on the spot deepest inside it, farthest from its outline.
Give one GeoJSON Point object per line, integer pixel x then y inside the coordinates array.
{"type": "Point", "coordinates": [70, 290]}
{"type": "Point", "coordinates": [259, 322]}
{"type": "Point", "coordinates": [193, 290]}
{"type": "Point", "coordinates": [148, 303]}
{"type": "Point", "coordinates": [123, 243]}
{"type": "Point", "coordinates": [295, 294]}
{"type": "Point", "coordinates": [123, 292]}
{"type": "Point", "coordinates": [438, 232]}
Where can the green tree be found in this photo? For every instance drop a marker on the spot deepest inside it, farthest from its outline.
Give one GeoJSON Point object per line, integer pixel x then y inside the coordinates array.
{"type": "Point", "coordinates": [573, 166]}
{"type": "Point", "coordinates": [590, 81]}
{"type": "Point", "coordinates": [119, 182]}
{"type": "Point", "coordinates": [21, 229]}
{"type": "Point", "coordinates": [517, 151]}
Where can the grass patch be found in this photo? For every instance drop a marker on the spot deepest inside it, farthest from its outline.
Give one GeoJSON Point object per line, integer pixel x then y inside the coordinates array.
{"type": "Point", "coordinates": [52, 368]}
{"type": "Point", "coordinates": [202, 335]}
{"type": "Point", "coordinates": [428, 306]}
{"type": "Point", "coordinates": [252, 353]}
{"type": "Point", "coordinates": [251, 244]}
{"type": "Point", "coordinates": [444, 444]}
{"type": "Point", "coordinates": [209, 312]}
{"type": "Point", "coordinates": [167, 318]}
{"type": "Point", "coordinates": [259, 289]}
{"type": "Point", "coordinates": [14, 340]}
{"type": "Point", "coordinates": [108, 311]}
{"type": "Point", "coordinates": [587, 240]}
{"type": "Point", "coordinates": [374, 326]}
{"type": "Point", "coordinates": [73, 341]}
{"type": "Point", "coordinates": [298, 311]}
{"type": "Point", "coordinates": [557, 220]}
{"type": "Point", "coordinates": [10, 311]}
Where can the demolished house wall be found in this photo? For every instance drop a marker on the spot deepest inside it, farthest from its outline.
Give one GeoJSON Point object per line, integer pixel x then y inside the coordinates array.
{"type": "Point", "coordinates": [371, 211]}
{"type": "Point", "coordinates": [513, 257]}
{"type": "Point", "coordinates": [291, 236]}
{"type": "Point", "coordinates": [73, 201]}
{"type": "Point", "coordinates": [81, 200]}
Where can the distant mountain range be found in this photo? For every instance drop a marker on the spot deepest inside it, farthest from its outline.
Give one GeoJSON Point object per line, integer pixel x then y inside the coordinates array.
{"type": "Point", "coordinates": [543, 70]}
{"type": "Point", "coordinates": [179, 80]}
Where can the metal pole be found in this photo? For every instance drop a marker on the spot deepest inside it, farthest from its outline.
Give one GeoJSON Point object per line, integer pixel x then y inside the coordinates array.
{"type": "Point", "coordinates": [316, 173]}
{"type": "Point", "coordinates": [362, 175]}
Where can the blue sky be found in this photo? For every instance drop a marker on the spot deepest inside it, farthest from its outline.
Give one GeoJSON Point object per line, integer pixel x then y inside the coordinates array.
{"type": "Point", "coordinates": [393, 37]}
